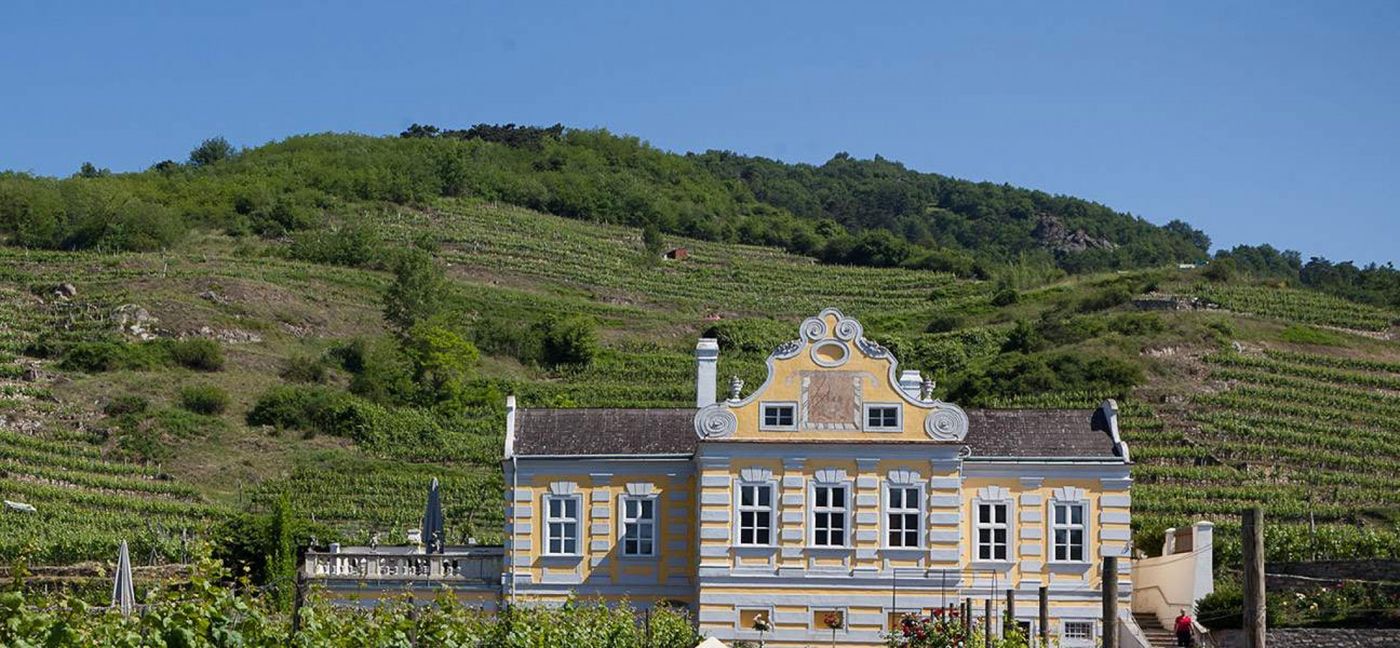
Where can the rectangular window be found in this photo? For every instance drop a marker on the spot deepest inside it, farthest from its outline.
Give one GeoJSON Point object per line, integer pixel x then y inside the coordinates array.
{"type": "Point", "coordinates": [561, 525]}
{"type": "Point", "coordinates": [779, 416]}
{"type": "Point", "coordinates": [1079, 630]}
{"type": "Point", "coordinates": [1067, 530]}
{"type": "Point", "coordinates": [756, 514]}
{"type": "Point", "coordinates": [902, 516]}
{"type": "Point", "coordinates": [993, 531]}
{"type": "Point", "coordinates": [638, 526]}
{"type": "Point", "coordinates": [829, 516]}
{"type": "Point", "coordinates": [882, 417]}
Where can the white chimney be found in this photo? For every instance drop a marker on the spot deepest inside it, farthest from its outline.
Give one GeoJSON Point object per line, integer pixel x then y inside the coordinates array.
{"type": "Point", "coordinates": [706, 369]}
{"type": "Point", "coordinates": [910, 382]}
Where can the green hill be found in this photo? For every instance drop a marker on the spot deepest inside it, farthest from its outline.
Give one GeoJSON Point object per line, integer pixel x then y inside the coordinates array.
{"type": "Point", "coordinates": [1261, 390]}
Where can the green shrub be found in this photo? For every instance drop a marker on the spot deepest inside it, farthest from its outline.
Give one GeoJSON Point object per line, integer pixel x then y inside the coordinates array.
{"type": "Point", "coordinates": [569, 340]}
{"type": "Point", "coordinates": [126, 405]}
{"type": "Point", "coordinates": [1134, 324]}
{"type": "Point", "coordinates": [296, 407]}
{"type": "Point", "coordinates": [1106, 298]}
{"type": "Point", "coordinates": [199, 354]}
{"type": "Point", "coordinates": [944, 323]}
{"type": "Point", "coordinates": [303, 368]}
{"type": "Point", "coordinates": [204, 399]}
{"type": "Point", "coordinates": [96, 357]}
{"type": "Point", "coordinates": [354, 246]}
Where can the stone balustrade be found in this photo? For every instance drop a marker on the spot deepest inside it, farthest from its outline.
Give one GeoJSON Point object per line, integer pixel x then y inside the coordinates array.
{"type": "Point", "coordinates": [455, 564]}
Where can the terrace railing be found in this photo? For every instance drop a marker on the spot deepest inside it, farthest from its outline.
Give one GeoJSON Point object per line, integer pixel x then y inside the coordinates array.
{"type": "Point", "coordinates": [455, 564]}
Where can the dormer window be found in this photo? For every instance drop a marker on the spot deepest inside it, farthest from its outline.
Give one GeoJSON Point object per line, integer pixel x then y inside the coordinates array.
{"type": "Point", "coordinates": [882, 418]}
{"type": "Point", "coordinates": [779, 416]}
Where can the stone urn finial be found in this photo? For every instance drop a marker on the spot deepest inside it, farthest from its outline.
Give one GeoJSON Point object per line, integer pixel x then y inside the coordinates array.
{"type": "Point", "coordinates": [736, 385]}
{"type": "Point", "coordinates": [926, 390]}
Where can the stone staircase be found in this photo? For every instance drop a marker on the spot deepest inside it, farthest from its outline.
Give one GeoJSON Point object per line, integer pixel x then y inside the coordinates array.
{"type": "Point", "coordinates": [1156, 635]}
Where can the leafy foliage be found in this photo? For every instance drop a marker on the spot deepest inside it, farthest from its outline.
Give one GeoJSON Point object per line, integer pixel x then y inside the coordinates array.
{"type": "Point", "coordinates": [204, 399]}
{"type": "Point", "coordinates": [864, 212]}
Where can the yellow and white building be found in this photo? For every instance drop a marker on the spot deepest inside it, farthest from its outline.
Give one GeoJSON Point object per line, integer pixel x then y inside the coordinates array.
{"type": "Point", "coordinates": [839, 485]}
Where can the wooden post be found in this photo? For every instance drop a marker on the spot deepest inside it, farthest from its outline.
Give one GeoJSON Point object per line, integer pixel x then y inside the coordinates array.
{"type": "Point", "coordinates": [987, 622]}
{"type": "Point", "coordinates": [967, 617]}
{"type": "Point", "coordinates": [1252, 544]}
{"type": "Point", "coordinates": [1110, 602]}
{"type": "Point", "coordinates": [1044, 616]}
{"type": "Point", "coordinates": [300, 599]}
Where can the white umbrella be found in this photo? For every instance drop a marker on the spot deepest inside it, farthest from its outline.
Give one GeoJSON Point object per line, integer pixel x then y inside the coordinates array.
{"type": "Point", "coordinates": [712, 643]}
{"type": "Point", "coordinates": [123, 593]}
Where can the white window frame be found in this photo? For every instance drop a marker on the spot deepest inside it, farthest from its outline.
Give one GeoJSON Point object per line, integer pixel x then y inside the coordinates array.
{"type": "Point", "coordinates": [563, 520]}
{"type": "Point", "coordinates": [978, 524]}
{"type": "Point", "coordinates": [898, 417]}
{"type": "Point", "coordinates": [763, 416]}
{"type": "Point", "coordinates": [1067, 640]}
{"type": "Point", "coordinates": [740, 508]}
{"type": "Point", "coordinates": [623, 520]}
{"type": "Point", "coordinates": [844, 510]}
{"type": "Point", "coordinates": [1053, 526]}
{"type": "Point", "coordinates": [887, 512]}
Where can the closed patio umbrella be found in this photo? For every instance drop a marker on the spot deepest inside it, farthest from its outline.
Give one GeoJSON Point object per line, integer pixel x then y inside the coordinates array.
{"type": "Point", "coordinates": [433, 532]}
{"type": "Point", "coordinates": [123, 592]}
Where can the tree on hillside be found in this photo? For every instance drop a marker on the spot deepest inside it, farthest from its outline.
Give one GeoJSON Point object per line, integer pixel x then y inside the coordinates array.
{"type": "Point", "coordinates": [89, 170]}
{"type": "Point", "coordinates": [569, 340]}
{"type": "Point", "coordinates": [214, 149]}
{"type": "Point", "coordinates": [442, 363]}
{"type": "Point", "coordinates": [416, 295]}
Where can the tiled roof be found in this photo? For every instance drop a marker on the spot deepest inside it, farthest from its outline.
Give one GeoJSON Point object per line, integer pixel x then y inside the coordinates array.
{"type": "Point", "coordinates": [991, 433]}
{"type": "Point", "coordinates": [1038, 433]}
{"type": "Point", "coordinates": [605, 431]}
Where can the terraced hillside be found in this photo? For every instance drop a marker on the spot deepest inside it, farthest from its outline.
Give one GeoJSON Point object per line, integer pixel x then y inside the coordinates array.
{"type": "Point", "coordinates": [1229, 408]}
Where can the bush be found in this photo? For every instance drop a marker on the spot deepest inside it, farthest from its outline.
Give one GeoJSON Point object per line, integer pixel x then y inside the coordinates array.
{"type": "Point", "coordinates": [197, 353]}
{"type": "Point", "coordinates": [1005, 295]}
{"type": "Point", "coordinates": [944, 323]}
{"type": "Point", "coordinates": [126, 405]}
{"type": "Point", "coordinates": [1137, 324]}
{"type": "Point", "coordinates": [96, 357]}
{"type": "Point", "coordinates": [354, 246]}
{"type": "Point", "coordinates": [204, 399]}
{"type": "Point", "coordinates": [569, 341]}
{"type": "Point", "coordinates": [1220, 270]}
{"type": "Point", "coordinates": [1106, 298]}
{"type": "Point", "coordinates": [297, 407]}
{"type": "Point", "coordinates": [303, 368]}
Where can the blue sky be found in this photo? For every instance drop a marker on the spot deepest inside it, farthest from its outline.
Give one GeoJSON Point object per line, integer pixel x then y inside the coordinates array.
{"type": "Point", "coordinates": [1269, 122]}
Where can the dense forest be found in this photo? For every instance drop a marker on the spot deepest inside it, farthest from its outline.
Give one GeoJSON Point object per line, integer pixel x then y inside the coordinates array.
{"type": "Point", "coordinates": [857, 212]}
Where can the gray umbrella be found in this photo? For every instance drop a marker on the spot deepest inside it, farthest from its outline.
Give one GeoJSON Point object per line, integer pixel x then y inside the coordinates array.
{"type": "Point", "coordinates": [433, 532]}
{"type": "Point", "coordinates": [123, 593]}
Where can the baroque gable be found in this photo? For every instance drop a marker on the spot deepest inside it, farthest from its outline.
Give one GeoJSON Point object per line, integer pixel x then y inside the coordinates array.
{"type": "Point", "coordinates": [832, 383]}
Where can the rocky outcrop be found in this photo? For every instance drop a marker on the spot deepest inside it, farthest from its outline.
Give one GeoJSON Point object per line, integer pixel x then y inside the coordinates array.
{"type": "Point", "coordinates": [1052, 233]}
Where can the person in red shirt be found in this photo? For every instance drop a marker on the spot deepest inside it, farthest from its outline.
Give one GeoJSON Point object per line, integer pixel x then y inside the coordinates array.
{"type": "Point", "coordinates": [1183, 629]}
